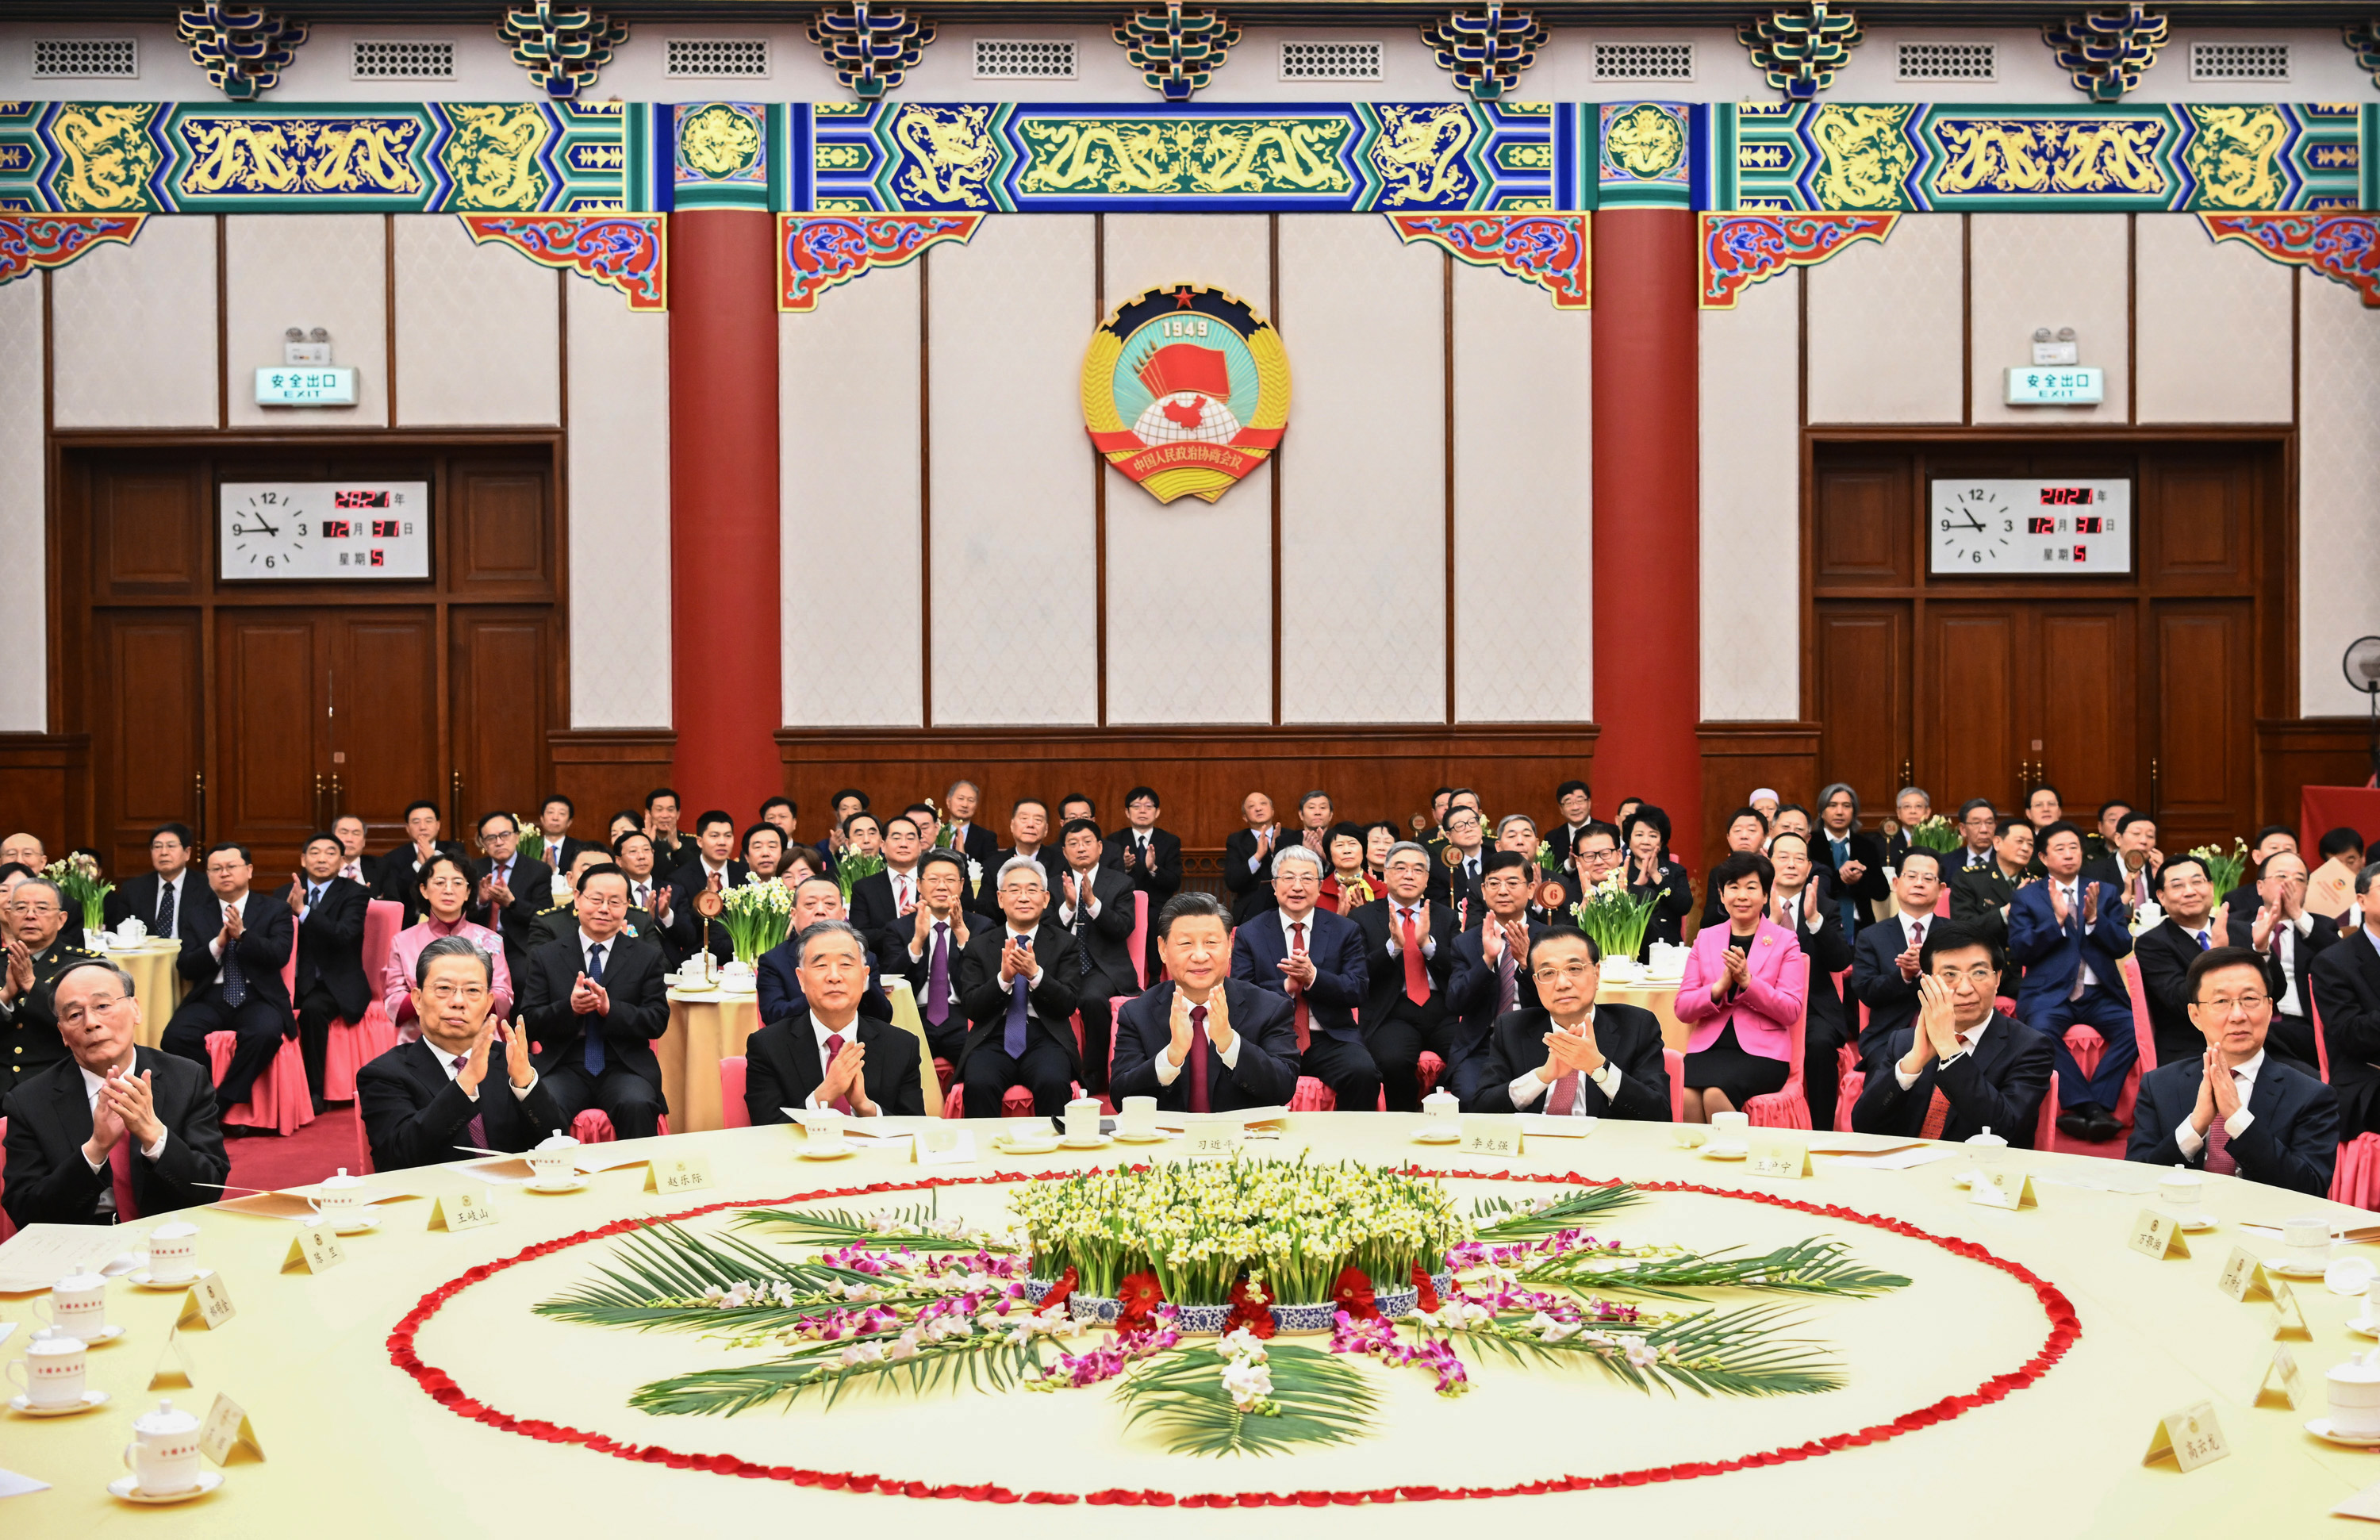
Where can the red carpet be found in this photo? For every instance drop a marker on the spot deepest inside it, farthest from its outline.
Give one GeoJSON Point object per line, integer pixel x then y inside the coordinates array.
{"type": "Point", "coordinates": [315, 1151]}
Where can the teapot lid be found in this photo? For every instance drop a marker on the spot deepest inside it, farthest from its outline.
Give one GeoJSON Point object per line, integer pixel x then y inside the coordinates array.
{"type": "Point", "coordinates": [164, 1420]}
{"type": "Point", "coordinates": [2361, 1368]}
{"type": "Point", "coordinates": [81, 1278]}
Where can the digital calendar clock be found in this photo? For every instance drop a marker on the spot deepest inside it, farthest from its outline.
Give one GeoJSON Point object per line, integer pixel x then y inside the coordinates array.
{"type": "Point", "coordinates": [1990, 528]}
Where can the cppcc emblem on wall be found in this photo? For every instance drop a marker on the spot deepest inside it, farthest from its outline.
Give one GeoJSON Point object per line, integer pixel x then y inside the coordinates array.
{"type": "Point", "coordinates": [1185, 390]}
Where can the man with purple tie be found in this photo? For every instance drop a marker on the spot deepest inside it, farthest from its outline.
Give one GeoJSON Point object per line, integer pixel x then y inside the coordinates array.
{"type": "Point", "coordinates": [1201, 1041]}
{"type": "Point", "coordinates": [937, 938]}
{"type": "Point", "coordinates": [1018, 981]}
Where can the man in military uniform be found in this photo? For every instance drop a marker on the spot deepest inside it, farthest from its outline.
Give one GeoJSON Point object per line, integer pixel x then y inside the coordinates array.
{"type": "Point", "coordinates": [35, 920]}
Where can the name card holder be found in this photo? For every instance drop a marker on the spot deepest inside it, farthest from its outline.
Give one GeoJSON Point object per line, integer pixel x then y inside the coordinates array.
{"type": "Point", "coordinates": [2158, 1236]}
{"type": "Point", "coordinates": [2190, 1438]}
{"type": "Point", "coordinates": [2289, 1317]}
{"type": "Point", "coordinates": [1778, 1156]}
{"type": "Point", "coordinates": [678, 1173]}
{"type": "Point", "coordinates": [943, 1146]}
{"type": "Point", "coordinates": [2245, 1278]}
{"type": "Point", "coordinates": [2279, 1382]}
{"type": "Point", "coordinates": [227, 1432]}
{"type": "Point", "coordinates": [1497, 1137]}
{"type": "Point", "coordinates": [173, 1371]}
{"type": "Point", "coordinates": [316, 1249]}
{"type": "Point", "coordinates": [1214, 1138]}
{"type": "Point", "coordinates": [464, 1210]}
{"type": "Point", "coordinates": [2004, 1190]}
{"type": "Point", "coordinates": [207, 1305]}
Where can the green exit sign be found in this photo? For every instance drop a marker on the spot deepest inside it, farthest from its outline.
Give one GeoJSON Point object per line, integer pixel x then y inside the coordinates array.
{"type": "Point", "coordinates": [310, 386]}
{"type": "Point", "coordinates": [2070, 386]}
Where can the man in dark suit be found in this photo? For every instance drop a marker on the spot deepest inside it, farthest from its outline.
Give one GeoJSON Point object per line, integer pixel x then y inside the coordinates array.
{"type": "Point", "coordinates": [1409, 961]}
{"type": "Point", "coordinates": [714, 866]}
{"type": "Point", "coordinates": [399, 876]}
{"type": "Point", "coordinates": [2270, 841]}
{"type": "Point", "coordinates": [2071, 936]}
{"type": "Point", "coordinates": [2235, 1108]}
{"type": "Point", "coordinates": [1095, 906]}
{"type": "Point", "coordinates": [779, 971]}
{"type": "Point", "coordinates": [1149, 856]}
{"type": "Point", "coordinates": [234, 972]}
{"type": "Point", "coordinates": [881, 902]}
{"type": "Point", "coordinates": [1247, 859]}
{"type": "Point", "coordinates": [1798, 902]}
{"type": "Point", "coordinates": [2132, 867]}
{"type": "Point", "coordinates": [1852, 858]}
{"type": "Point", "coordinates": [1028, 834]}
{"type": "Point", "coordinates": [1570, 1056]}
{"type": "Point", "coordinates": [1491, 969]}
{"type": "Point", "coordinates": [553, 821]}
{"type": "Point", "coordinates": [2274, 922]}
{"type": "Point", "coordinates": [1980, 895]}
{"type": "Point", "coordinates": [1911, 806]}
{"type": "Point", "coordinates": [2345, 987]}
{"type": "Point", "coordinates": [648, 888]}
{"type": "Point", "coordinates": [508, 889]}
{"type": "Point", "coordinates": [421, 1100]}
{"type": "Point", "coordinates": [1884, 955]}
{"type": "Point", "coordinates": [671, 849]}
{"type": "Point", "coordinates": [2166, 949]}
{"type": "Point", "coordinates": [939, 929]}
{"type": "Point", "coordinates": [562, 917]}
{"type": "Point", "coordinates": [1200, 1041]}
{"type": "Point", "coordinates": [355, 865]}
{"type": "Point", "coordinates": [114, 1131]}
{"type": "Point", "coordinates": [971, 842]}
{"type": "Point", "coordinates": [594, 1003]}
{"type": "Point", "coordinates": [328, 911]}
{"type": "Point", "coordinates": [1315, 958]}
{"type": "Point", "coordinates": [848, 803]}
{"type": "Point", "coordinates": [1576, 800]}
{"type": "Point", "coordinates": [169, 898]}
{"type": "Point", "coordinates": [1454, 881]}
{"type": "Point", "coordinates": [1963, 1067]}
{"type": "Point", "coordinates": [38, 952]}
{"type": "Point", "coordinates": [830, 1055]}
{"type": "Point", "coordinates": [1018, 982]}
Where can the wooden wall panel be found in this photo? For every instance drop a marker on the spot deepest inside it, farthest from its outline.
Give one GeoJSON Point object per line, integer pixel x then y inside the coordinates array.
{"type": "Point", "coordinates": [2205, 717]}
{"type": "Point", "coordinates": [151, 747]}
{"type": "Point", "coordinates": [383, 706]}
{"type": "Point", "coordinates": [603, 772]}
{"type": "Point", "coordinates": [501, 667]}
{"type": "Point", "coordinates": [1862, 696]}
{"type": "Point", "coordinates": [45, 787]}
{"type": "Point", "coordinates": [1859, 517]}
{"type": "Point", "coordinates": [1738, 758]}
{"type": "Point", "coordinates": [2081, 702]}
{"type": "Point", "coordinates": [268, 684]}
{"type": "Point", "coordinates": [149, 534]}
{"type": "Point", "coordinates": [501, 535]}
{"type": "Point", "coordinates": [2293, 753]}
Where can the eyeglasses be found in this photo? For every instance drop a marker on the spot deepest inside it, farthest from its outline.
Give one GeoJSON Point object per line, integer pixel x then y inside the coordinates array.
{"type": "Point", "coordinates": [1572, 971]}
{"type": "Point", "coordinates": [1982, 977]}
{"type": "Point", "coordinates": [98, 1005]}
{"type": "Point", "coordinates": [2223, 1005]}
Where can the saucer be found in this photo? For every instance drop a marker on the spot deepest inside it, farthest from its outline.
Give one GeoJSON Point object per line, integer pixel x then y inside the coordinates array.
{"type": "Point", "coordinates": [570, 1187]}
{"type": "Point", "coordinates": [1152, 1137]}
{"type": "Point", "coordinates": [2321, 1428]}
{"type": "Point", "coordinates": [2287, 1269]}
{"type": "Point", "coordinates": [362, 1225]}
{"type": "Point", "coordinates": [837, 1153]}
{"type": "Point", "coordinates": [1438, 1136]}
{"type": "Point", "coordinates": [24, 1408]}
{"type": "Point", "coordinates": [121, 1488]}
{"type": "Point", "coordinates": [1029, 1147]}
{"type": "Point", "coordinates": [141, 1279]}
{"type": "Point", "coordinates": [1726, 1152]}
{"type": "Point", "coordinates": [105, 1335]}
{"type": "Point", "coordinates": [2194, 1223]}
{"type": "Point", "coordinates": [1084, 1141]}
{"type": "Point", "coordinates": [2368, 1326]}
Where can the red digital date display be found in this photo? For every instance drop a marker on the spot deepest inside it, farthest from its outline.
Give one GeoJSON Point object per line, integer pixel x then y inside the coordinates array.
{"type": "Point", "coordinates": [337, 528]}
{"type": "Point", "coordinates": [383, 529]}
{"type": "Point", "coordinates": [2090, 523]}
{"type": "Point", "coordinates": [2065, 497]}
{"type": "Point", "coordinates": [359, 500]}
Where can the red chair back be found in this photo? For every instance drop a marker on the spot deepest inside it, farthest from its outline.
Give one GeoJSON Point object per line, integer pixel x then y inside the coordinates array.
{"type": "Point", "coordinates": [1141, 938]}
{"type": "Point", "coordinates": [363, 1145]}
{"type": "Point", "coordinates": [2144, 1031]}
{"type": "Point", "coordinates": [2314, 1013]}
{"type": "Point", "coordinates": [6, 1229]}
{"type": "Point", "coordinates": [732, 1113]}
{"type": "Point", "coordinates": [2045, 1127]}
{"type": "Point", "coordinates": [1942, 903]}
{"type": "Point", "coordinates": [1674, 1061]}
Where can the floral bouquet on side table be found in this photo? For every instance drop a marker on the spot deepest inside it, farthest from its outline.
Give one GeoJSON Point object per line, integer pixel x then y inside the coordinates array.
{"type": "Point", "coordinates": [1937, 833]}
{"type": "Point", "coordinates": [756, 916]}
{"type": "Point", "coordinates": [78, 877]}
{"type": "Point", "coordinates": [2225, 869]}
{"type": "Point", "coordinates": [850, 867]}
{"type": "Point", "coordinates": [1616, 918]}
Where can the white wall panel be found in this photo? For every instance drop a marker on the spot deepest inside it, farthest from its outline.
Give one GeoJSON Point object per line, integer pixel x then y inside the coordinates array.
{"type": "Point", "coordinates": [1015, 607]}
{"type": "Point", "coordinates": [306, 271]}
{"type": "Point", "coordinates": [134, 330]}
{"type": "Point", "coordinates": [2214, 323]}
{"type": "Point", "coordinates": [1751, 512]}
{"type": "Point", "coordinates": [619, 511]}
{"type": "Point", "coordinates": [1210, 662]}
{"type": "Point", "coordinates": [2030, 271]}
{"type": "Point", "coordinates": [847, 484]}
{"type": "Point", "coordinates": [2338, 463]}
{"type": "Point", "coordinates": [478, 331]}
{"type": "Point", "coordinates": [1524, 508]}
{"type": "Point", "coordinates": [1362, 474]}
{"type": "Point", "coordinates": [1885, 326]}
{"type": "Point", "coordinates": [24, 683]}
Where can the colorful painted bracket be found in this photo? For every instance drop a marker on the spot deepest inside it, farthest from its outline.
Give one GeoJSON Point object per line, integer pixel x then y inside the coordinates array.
{"type": "Point", "coordinates": [815, 251]}
{"type": "Point", "coordinates": [2344, 248]}
{"type": "Point", "coordinates": [628, 252]}
{"type": "Point", "coordinates": [1555, 251]}
{"type": "Point", "coordinates": [1741, 249]}
{"type": "Point", "coordinates": [30, 242]}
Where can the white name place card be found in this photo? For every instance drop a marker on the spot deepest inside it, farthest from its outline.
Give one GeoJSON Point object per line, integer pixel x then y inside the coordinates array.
{"type": "Point", "coordinates": [2289, 1317]}
{"type": "Point", "coordinates": [2279, 1380]}
{"type": "Point", "coordinates": [678, 1173]}
{"type": "Point", "coordinates": [465, 1210]}
{"type": "Point", "coordinates": [1497, 1137]}
{"type": "Point", "coordinates": [2362, 1505]}
{"type": "Point", "coordinates": [316, 1249]}
{"type": "Point", "coordinates": [1997, 1188]}
{"type": "Point", "coordinates": [944, 1146]}
{"type": "Point", "coordinates": [227, 1431]}
{"type": "Point", "coordinates": [2188, 1438]}
{"type": "Point", "coordinates": [1777, 1155]}
{"type": "Point", "coordinates": [1214, 1137]}
{"type": "Point", "coordinates": [207, 1305]}
{"type": "Point", "coordinates": [2156, 1236]}
{"type": "Point", "coordinates": [2245, 1278]}
{"type": "Point", "coordinates": [173, 1371]}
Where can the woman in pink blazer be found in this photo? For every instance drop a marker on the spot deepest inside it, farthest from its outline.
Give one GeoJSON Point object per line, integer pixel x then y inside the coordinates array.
{"type": "Point", "coordinates": [1743, 991]}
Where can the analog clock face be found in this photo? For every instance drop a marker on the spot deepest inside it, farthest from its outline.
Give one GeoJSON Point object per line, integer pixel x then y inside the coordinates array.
{"type": "Point", "coordinates": [1974, 528]}
{"type": "Point", "coordinates": [265, 533]}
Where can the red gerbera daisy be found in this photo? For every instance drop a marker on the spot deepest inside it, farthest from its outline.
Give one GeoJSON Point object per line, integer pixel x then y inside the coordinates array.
{"type": "Point", "coordinates": [1140, 1294]}
{"type": "Point", "coordinates": [1058, 1292]}
{"type": "Point", "coordinates": [1429, 1301]}
{"type": "Point", "coordinates": [1248, 1310]}
{"type": "Point", "coordinates": [1355, 1295]}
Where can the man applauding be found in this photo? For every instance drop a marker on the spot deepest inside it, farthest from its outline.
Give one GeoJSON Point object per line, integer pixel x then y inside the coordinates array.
{"type": "Point", "coordinates": [422, 1100]}
{"type": "Point", "coordinates": [2234, 1110]}
{"type": "Point", "coordinates": [1018, 981]}
{"type": "Point", "coordinates": [1201, 1042]}
{"type": "Point", "coordinates": [1315, 959]}
{"type": "Point", "coordinates": [1962, 1067]}
{"type": "Point", "coordinates": [595, 1001]}
{"type": "Point", "coordinates": [830, 1056]}
{"type": "Point", "coordinates": [1570, 1056]}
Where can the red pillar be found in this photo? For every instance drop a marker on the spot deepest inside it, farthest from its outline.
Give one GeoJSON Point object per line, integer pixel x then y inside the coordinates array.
{"type": "Point", "coordinates": [1647, 592]}
{"type": "Point", "coordinates": [724, 620]}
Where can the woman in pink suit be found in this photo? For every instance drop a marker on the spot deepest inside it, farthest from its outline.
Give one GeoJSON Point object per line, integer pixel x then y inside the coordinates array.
{"type": "Point", "coordinates": [1742, 992]}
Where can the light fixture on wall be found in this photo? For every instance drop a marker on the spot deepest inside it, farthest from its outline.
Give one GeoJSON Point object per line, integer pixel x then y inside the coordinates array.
{"type": "Point", "coordinates": [2059, 349]}
{"type": "Point", "coordinates": [301, 346]}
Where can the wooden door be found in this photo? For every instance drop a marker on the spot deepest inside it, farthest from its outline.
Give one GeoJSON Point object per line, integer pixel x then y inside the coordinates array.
{"type": "Point", "coordinates": [1978, 680]}
{"type": "Point", "coordinates": [272, 753]}
{"type": "Point", "coordinates": [147, 748]}
{"type": "Point", "coordinates": [501, 669]}
{"type": "Point", "coordinates": [1864, 697]}
{"type": "Point", "coordinates": [2082, 725]}
{"type": "Point", "coordinates": [2203, 775]}
{"type": "Point", "coordinates": [380, 705]}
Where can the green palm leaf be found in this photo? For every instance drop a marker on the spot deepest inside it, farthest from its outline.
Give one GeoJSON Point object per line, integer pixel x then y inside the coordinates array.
{"type": "Point", "coordinates": [991, 1361]}
{"type": "Point", "coordinates": [1500, 1220]}
{"type": "Point", "coordinates": [661, 1271]}
{"type": "Point", "coordinates": [1812, 1266]}
{"type": "Point", "coordinates": [838, 1227]}
{"type": "Point", "coordinates": [1322, 1399]}
{"type": "Point", "coordinates": [1734, 1352]}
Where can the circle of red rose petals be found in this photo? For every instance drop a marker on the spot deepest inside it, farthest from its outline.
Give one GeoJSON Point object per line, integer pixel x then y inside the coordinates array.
{"type": "Point", "coordinates": [441, 1388]}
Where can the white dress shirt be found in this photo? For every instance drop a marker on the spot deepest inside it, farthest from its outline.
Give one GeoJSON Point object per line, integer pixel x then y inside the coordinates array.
{"type": "Point", "coordinates": [1399, 913]}
{"type": "Point", "coordinates": [216, 947]}
{"type": "Point", "coordinates": [1967, 1041]}
{"type": "Point", "coordinates": [2242, 1075]}
{"type": "Point", "coordinates": [1525, 1089]}
{"type": "Point", "coordinates": [2284, 942]}
{"type": "Point", "coordinates": [1168, 1071]}
{"type": "Point", "coordinates": [1082, 884]}
{"type": "Point", "coordinates": [819, 1033]}
{"type": "Point", "coordinates": [90, 1087]}
{"type": "Point", "coordinates": [496, 1066]}
{"type": "Point", "coordinates": [898, 877]}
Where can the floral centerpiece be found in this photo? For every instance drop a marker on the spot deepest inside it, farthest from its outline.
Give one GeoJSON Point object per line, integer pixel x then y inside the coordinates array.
{"type": "Point", "coordinates": [757, 914]}
{"type": "Point", "coordinates": [1616, 918]}
{"type": "Point", "coordinates": [2223, 868]}
{"type": "Point", "coordinates": [1937, 833]}
{"type": "Point", "coordinates": [78, 878]}
{"type": "Point", "coordinates": [850, 867]}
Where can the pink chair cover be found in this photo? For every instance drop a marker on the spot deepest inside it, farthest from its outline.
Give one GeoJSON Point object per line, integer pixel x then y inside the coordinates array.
{"type": "Point", "coordinates": [1139, 939]}
{"type": "Point", "coordinates": [281, 1100]}
{"type": "Point", "coordinates": [363, 1166]}
{"type": "Point", "coordinates": [732, 1111]}
{"type": "Point", "coordinates": [1942, 903]}
{"type": "Point", "coordinates": [1675, 1063]}
{"type": "Point", "coordinates": [6, 1229]}
{"type": "Point", "coordinates": [355, 1044]}
{"type": "Point", "coordinates": [1312, 1096]}
{"type": "Point", "coordinates": [2045, 1127]}
{"type": "Point", "coordinates": [2355, 1176]}
{"type": "Point", "coordinates": [2086, 1046]}
{"type": "Point", "coordinates": [1849, 1082]}
{"type": "Point", "coordinates": [1431, 1067]}
{"type": "Point", "coordinates": [1791, 1107]}
{"type": "Point", "coordinates": [594, 1126]}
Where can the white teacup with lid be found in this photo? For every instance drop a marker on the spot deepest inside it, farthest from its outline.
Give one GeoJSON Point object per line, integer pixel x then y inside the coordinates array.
{"type": "Point", "coordinates": [554, 1161]}
{"type": "Point", "coordinates": [2355, 1394]}
{"type": "Point", "coordinates": [339, 1199]}
{"type": "Point", "coordinates": [164, 1454]}
{"type": "Point", "coordinates": [1441, 1103]}
{"type": "Point", "coordinates": [823, 1126]}
{"type": "Point", "coordinates": [2179, 1190]}
{"type": "Point", "coordinates": [1986, 1147]}
{"type": "Point", "coordinates": [76, 1306]}
{"type": "Point", "coordinates": [53, 1364]}
{"type": "Point", "coordinates": [1136, 1116]}
{"type": "Point", "coordinates": [173, 1253]}
{"type": "Point", "coordinates": [2306, 1241]}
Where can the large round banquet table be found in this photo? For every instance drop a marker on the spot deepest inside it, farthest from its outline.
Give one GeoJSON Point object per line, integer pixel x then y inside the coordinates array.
{"type": "Point", "coordinates": [2014, 1385]}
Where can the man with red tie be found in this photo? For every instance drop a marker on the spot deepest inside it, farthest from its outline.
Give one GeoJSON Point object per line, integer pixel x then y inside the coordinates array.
{"type": "Point", "coordinates": [1200, 1041]}
{"type": "Point", "coordinates": [830, 1056]}
{"type": "Point", "coordinates": [1571, 1057]}
{"type": "Point", "coordinates": [1491, 967]}
{"type": "Point", "coordinates": [1409, 957]}
{"type": "Point", "coordinates": [1315, 958]}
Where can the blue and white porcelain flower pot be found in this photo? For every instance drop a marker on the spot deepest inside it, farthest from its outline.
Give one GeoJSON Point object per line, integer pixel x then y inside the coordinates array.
{"type": "Point", "coordinates": [1319, 1316]}
{"type": "Point", "coordinates": [1037, 1286]}
{"type": "Point", "coordinates": [1093, 1310]}
{"type": "Point", "coordinates": [1396, 1302]}
{"type": "Point", "coordinates": [1200, 1320]}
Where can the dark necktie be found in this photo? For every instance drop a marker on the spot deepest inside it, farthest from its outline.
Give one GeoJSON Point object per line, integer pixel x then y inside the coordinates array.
{"type": "Point", "coordinates": [234, 983]}
{"type": "Point", "coordinates": [165, 926]}
{"type": "Point", "coordinates": [937, 976]}
{"type": "Point", "coordinates": [1013, 1037]}
{"type": "Point", "coordinates": [477, 1130]}
{"type": "Point", "coordinates": [1198, 1098]}
{"type": "Point", "coordinates": [313, 897]}
{"type": "Point", "coordinates": [594, 1042]}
